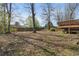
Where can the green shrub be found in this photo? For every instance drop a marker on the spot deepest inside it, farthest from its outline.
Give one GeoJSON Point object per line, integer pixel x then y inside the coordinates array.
{"type": "Point", "coordinates": [13, 29]}
{"type": "Point", "coordinates": [52, 29]}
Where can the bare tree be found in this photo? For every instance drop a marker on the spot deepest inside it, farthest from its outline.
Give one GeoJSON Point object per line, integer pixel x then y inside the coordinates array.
{"type": "Point", "coordinates": [1, 17]}
{"type": "Point", "coordinates": [4, 18]}
{"type": "Point", "coordinates": [33, 17]}
{"type": "Point", "coordinates": [47, 14]}
{"type": "Point", "coordinates": [70, 10]}
{"type": "Point", "coordinates": [9, 16]}
{"type": "Point", "coordinates": [58, 15]}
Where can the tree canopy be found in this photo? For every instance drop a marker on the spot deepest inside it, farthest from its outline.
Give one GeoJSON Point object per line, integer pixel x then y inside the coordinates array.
{"type": "Point", "coordinates": [29, 22]}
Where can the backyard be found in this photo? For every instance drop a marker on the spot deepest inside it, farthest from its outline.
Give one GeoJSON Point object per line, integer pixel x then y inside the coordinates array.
{"type": "Point", "coordinates": [36, 29]}
{"type": "Point", "coordinates": [41, 43]}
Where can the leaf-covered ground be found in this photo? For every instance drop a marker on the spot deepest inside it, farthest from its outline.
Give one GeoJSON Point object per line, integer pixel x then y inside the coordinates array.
{"type": "Point", "coordinates": [42, 43]}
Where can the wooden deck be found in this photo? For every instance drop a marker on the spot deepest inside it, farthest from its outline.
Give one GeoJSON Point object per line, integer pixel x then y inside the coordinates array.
{"type": "Point", "coordinates": [70, 26]}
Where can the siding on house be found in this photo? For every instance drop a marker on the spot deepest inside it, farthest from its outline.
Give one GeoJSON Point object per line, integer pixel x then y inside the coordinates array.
{"type": "Point", "coordinates": [69, 25]}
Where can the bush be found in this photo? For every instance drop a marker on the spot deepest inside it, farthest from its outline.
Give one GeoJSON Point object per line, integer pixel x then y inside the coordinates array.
{"type": "Point", "coordinates": [13, 29]}
{"type": "Point", "coordinates": [52, 29]}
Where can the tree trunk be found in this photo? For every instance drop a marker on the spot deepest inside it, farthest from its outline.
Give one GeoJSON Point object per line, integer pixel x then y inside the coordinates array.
{"type": "Point", "coordinates": [33, 17]}
{"type": "Point", "coordinates": [49, 25]}
{"type": "Point", "coordinates": [4, 18]}
{"type": "Point", "coordinates": [49, 17]}
{"type": "Point", "coordinates": [9, 18]}
{"type": "Point", "coordinates": [69, 27]}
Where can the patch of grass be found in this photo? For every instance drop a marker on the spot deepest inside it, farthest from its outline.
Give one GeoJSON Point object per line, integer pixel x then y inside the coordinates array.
{"type": "Point", "coordinates": [75, 48]}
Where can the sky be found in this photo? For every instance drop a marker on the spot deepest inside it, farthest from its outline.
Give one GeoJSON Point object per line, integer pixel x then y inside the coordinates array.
{"type": "Point", "coordinates": [22, 12]}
